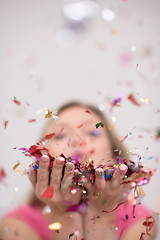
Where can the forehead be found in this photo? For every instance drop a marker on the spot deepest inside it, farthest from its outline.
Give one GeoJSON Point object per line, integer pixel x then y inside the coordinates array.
{"type": "Point", "coordinates": [78, 114]}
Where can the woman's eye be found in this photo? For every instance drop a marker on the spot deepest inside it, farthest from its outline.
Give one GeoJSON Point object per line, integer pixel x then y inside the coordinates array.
{"type": "Point", "coordinates": [59, 137]}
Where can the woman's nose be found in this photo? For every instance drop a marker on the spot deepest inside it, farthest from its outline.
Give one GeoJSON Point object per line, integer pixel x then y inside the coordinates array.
{"type": "Point", "coordinates": [75, 141]}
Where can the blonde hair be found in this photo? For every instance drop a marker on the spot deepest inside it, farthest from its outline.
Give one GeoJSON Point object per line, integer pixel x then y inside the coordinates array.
{"type": "Point", "coordinates": [118, 149]}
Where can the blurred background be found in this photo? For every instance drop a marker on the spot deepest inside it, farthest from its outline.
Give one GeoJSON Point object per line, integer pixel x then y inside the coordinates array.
{"type": "Point", "coordinates": [98, 52]}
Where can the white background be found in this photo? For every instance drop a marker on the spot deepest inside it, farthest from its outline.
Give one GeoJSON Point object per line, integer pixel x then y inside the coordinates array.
{"type": "Point", "coordinates": [96, 62]}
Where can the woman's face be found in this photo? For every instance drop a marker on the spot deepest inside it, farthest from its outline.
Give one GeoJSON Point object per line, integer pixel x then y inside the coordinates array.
{"type": "Point", "coordinates": [77, 135]}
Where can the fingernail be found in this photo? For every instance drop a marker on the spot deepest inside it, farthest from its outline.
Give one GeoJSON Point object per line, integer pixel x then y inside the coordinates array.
{"type": "Point", "coordinates": [44, 158]}
{"type": "Point", "coordinates": [123, 168]}
{"type": "Point", "coordinates": [99, 172]}
{"type": "Point", "coordinates": [69, 166]}
{"type": "Point", "coordinates": [59, 160]}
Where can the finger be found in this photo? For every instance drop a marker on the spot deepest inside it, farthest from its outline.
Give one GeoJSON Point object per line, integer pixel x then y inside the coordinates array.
{"type": "Point", "coordinates": [68, 176]}
{"type": "Point", "coordinates": [99, 179]}
{"type": "Point", "coordinates": [128, 186]}
{"type": "Point", "coordinates": [33, 176]}
{"type": "Point", "coordinates": [56, 174]}
{"type": "Point", "coordinates": [119, 174]}
{"type": "Point", "coordinates": [42, 175]}
{"type": "Point", "coordinates": [89, 187]}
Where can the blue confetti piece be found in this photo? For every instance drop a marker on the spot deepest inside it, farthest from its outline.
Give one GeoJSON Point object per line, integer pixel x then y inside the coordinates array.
{"type": "Point", "coordinates": [36, 166]}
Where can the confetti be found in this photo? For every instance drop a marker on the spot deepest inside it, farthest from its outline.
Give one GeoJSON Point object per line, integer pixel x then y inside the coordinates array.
{"type": "Point", "coordinates": [48, 193]}
{"type": "Point", "coordinates": [83, 143]}
{"type": "Point", "coordinates": [31, 120]}
{"type": "Point", "coordinates": [149, 223]}
{"type": "Point", "coordinates": [2, 174]}
{"type": "Point", "coordinates": [16, 102]}
{"type": "Point", "coordinates": [116, 102]}
{"type": "Point", "coordinates": [55, 226]}
{"type": "Point", "coordinates": [20, 171]}
{"type": "Point", "coordinates": [5, 124]}
{"type": "Point", "coordinates": [140, 136]}
{"type": "Point", "coordinates": [114, 119]}
{"type": "Point", "coordinates": [49, 114]}
{"type": "Point", "coordinates": [70, 235]}
{"type": "Point", "coordinates": [61, 131]}
{"type": "Point", "coordinates": [47, 137]}
{"type": "Point", "coordinates": [123, 138]}
{"type": "Point", "coordinates": [73, 191]}
{"type": "Point", "coordinates": [99, 124]}
{"type": "Point", "coordinates": [110, 128]}
{"type": "Point", "coordinates": [87, 111]}
{"type": "Point", "coordinates": [81, 125]}
{"type": "Point", "coordinates": [140, 191]}
{"type": "Point", "coordinates": [16, 165]}
{"type": "Point", "coordinates": [132, 99]}
{"type": "Point", "coordinates": [145, 100]}
{"type": "Point", "coordinates": [114, 208]}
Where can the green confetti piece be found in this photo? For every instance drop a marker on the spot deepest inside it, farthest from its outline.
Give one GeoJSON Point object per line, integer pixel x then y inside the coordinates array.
{"type": "Point", "coordinates": [99, 124]}
{"type": "Point", "coordinates": [70, 235]}
{"type": "Point", "coordinates": [105, 201]}
{"type": "Point", "coordinates": [69, 159]}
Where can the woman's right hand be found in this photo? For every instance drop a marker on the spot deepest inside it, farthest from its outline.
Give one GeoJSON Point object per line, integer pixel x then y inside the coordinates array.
{"type": "Point", "coordinates": [62, 197]}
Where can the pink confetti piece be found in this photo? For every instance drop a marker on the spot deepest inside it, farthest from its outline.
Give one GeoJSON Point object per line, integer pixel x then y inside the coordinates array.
{"type": "Point", "coordinates": [123, 138]}
{"type": "Point", "coordinates": [81, 125]}
{"type": "Point", "coordinates": [83, 143]}
{"type": "Point", "coordinates": [5, 124]}
{"type": "Point", "coordinates": [31, 120]}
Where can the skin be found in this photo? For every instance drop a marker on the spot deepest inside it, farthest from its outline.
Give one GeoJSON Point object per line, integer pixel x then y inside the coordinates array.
{"type": "Point", "coordinates": [68, 139]}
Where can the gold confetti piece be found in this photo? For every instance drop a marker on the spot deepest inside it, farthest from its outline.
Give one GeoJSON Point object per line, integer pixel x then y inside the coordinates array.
{"type": "Point", "coordinates": [145, 100]}
{"type": "Point", "coordinates": [110, 127]}
{"type": "Point", "coordinates": [19, 171]}
{"type": "Point", "coordinates": [16, 165]}
{"type": "Point", "coordinates": [55, 226]}
{"type": "Point", "coordinates": [89, 161]}
{"type": "Point", "coordinates": [140, 191]}
{"type": "Point", "coordinates": [114, 119]}
{"type": "Point", "coordinates": [49, 114]}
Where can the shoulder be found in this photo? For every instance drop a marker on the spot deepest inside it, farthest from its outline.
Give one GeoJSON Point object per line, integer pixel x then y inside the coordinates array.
{"type": "Point", "coordinates": [135, 220]}
{"type": "Point", "coordinates": [28, 218]}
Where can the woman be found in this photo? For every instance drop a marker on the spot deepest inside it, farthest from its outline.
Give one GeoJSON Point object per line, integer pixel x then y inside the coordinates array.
{"type": "Point", "coordinates": [92, 206]}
